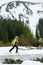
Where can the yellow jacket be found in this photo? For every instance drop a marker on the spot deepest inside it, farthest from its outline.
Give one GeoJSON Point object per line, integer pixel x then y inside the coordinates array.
{"type": "Point", "coordinates": [14, 41]}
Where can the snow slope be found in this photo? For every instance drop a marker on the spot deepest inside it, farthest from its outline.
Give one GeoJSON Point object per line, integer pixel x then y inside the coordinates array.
{"type": "Point", "coordinates": [22, 50]}
{"type": "Point", "coordinates": [31, 62]}
{"type": "Point", "coordinates": [24, 53]}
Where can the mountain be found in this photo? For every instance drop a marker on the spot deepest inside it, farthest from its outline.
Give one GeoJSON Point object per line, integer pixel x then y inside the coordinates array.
{"type": "Point", "coordinates": [29, 12]}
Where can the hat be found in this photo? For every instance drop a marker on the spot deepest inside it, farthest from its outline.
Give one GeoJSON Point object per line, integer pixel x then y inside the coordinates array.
{"type": "Point", "coordinates": [16, 37]}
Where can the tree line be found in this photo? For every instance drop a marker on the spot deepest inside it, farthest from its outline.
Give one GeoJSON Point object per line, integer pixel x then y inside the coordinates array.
{"type": "Point", "coordinates": [10, 28]}
{"type": "Point", "coordinates": [39, 29]}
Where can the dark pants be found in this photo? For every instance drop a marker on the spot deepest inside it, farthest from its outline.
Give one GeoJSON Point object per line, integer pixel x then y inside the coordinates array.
{"type": "Point", "coordinates": [13, 48]}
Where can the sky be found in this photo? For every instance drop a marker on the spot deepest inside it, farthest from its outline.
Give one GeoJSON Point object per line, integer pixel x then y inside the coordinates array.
{"type": "Point", "coordinates": [5, 1]}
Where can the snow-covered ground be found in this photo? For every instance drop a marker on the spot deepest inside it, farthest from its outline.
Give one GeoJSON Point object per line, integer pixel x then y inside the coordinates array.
{"type": "Point", "coordinates": [27, 54]}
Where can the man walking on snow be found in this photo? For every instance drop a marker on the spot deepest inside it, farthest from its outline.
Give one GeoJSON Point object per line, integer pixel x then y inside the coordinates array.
{"type": "Point", "coordinates": [14, 43]}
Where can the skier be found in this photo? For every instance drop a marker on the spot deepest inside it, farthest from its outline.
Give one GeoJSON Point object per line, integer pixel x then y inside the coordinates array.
{"type": "Point", "coordinates": [14, 43]}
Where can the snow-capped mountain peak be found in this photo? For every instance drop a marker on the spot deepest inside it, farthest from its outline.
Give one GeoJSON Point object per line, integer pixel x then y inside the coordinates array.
{"type": "Point", "coordinates": [23, 10]}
